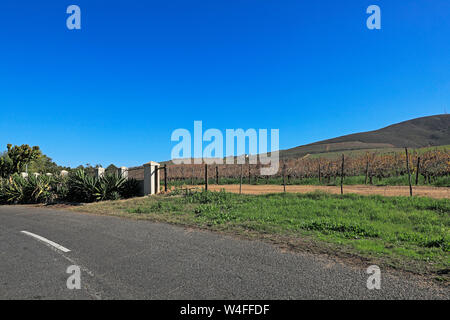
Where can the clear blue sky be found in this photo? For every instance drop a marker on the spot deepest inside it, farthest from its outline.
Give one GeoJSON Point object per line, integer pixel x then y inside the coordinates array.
{"type": "Point", "coordinates": [309, 68]}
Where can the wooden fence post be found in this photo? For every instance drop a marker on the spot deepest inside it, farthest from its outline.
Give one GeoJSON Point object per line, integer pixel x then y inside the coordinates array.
{"type": "Point", "coordinates": [249, 175]}
{"type": "Point", "coordinates": [417, 171]}
{"type": "Point", "coordinates": [240, 184]}
{"type": "Point", "coordinates": [206, 177]}
{"type": "Point", "coordinates": [165, 177]}
{"type": "Point", "coordinates": [367, 170]}
{"type": "Point", "coordinates": [192, 177]}
{"type": "Point", "coordinates": [342, 175]}
{"type": "Point", "coordinates": [217, 175]}
{"type": "Point", "coordinates": [409, 173]}
{"type": "Point", "coordinates": [284, 178]}
{"type": "Point", "coordinates": [319, 171]}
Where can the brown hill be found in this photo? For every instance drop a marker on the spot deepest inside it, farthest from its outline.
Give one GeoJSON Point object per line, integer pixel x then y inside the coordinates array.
{"type": "Point", "coordinates": [415, 133]}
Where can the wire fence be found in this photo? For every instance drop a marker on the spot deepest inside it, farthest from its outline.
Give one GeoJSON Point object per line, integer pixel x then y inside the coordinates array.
{"type": "Point", "coordinates": [431, 167]}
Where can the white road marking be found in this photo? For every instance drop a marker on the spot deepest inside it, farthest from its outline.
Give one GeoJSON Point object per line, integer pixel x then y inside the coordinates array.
{"type": "Point", "coordinates": [49, 242]}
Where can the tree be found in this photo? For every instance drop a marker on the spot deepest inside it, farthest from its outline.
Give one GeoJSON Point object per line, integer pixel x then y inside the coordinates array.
{"type": "Point", "coordinates": [112, 169]}
{"type": "Point", "coordinates": [15, 158]}
{"type": "Point", "coordinates": [44, 164]}
{"type": "Point", "coordinates": [6, 165]}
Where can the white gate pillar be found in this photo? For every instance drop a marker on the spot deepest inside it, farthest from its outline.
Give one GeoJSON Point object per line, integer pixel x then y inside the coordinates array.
{"type": "Point", "coordinates": [99, 172]}
{"type": "Point", "coordinates": [123, 172]}
{"type": "Point", "coordinates": [151, 178]}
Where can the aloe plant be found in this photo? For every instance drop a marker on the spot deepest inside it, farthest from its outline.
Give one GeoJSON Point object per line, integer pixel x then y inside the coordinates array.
{"type": "Point", "coordinates": [14, 190]}
{"type": "Point", "coordinates": [130, 189]}
{"type": "Point", "coordinates": [82, 187]}
{"type": "Point", "coordinates": [78, 187]}
{"type": "Point", "coordinates": [108, 187]}
{"type": "Point", "coordinates": [37, 189]}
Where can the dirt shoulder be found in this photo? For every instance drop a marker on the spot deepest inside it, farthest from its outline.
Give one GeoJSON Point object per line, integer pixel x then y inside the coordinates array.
{"type": "Point", "coordinates": [388, 191]}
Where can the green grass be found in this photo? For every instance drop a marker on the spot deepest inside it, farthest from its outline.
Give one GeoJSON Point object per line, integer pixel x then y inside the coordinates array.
{"type": "Point", "coordinates": [352, 180]}
{"type": "Point", "coordinates": [407, 233]}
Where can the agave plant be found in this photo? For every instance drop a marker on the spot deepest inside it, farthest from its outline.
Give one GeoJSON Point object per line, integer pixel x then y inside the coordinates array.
{"type": "Point", "coordinates": [37, 189]}
{"type": "Point", "coordinates": [14, 189]}
{"type": "Point", "coordinates": [130, 189]}
{"type": "Point", "coordinates": [2, 191]}
{"type": "Point", "coordinates": [60, 187]}
{"type": "Point", "coordinates": [81, 187]}
{"type": "Point", "coordinates": [109, 187]}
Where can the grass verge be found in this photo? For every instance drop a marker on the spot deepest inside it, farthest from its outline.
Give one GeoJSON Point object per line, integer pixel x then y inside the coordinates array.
{"type": "Point", "coordinates": [402, 180]}
{"type": "Point", "coordinates": [411, 234]}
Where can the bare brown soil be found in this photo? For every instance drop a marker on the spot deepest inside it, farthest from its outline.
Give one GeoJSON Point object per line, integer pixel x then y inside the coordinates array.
{"type": "Point", "coordinates": [389, 191]}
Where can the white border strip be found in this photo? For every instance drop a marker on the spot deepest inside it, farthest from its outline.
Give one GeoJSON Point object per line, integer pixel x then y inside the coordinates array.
{"type": "Point", "coordinates": [53, 244]}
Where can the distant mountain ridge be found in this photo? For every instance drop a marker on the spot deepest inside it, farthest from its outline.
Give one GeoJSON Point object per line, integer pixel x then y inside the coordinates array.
{"type": "Point", "coordinates": [415, 133]}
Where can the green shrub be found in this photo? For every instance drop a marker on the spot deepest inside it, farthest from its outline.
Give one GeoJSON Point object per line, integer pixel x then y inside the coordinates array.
{"type": "Point", "coordinates": [17, 190]}
{"type": "Point", "coordinates": [60, 188]}
{"type": "Point", "coordinates": [37, 189]}
{"type": "Point", "coordinates": [78, 187]}
{"type": "Point", "coordinates": [130, 189]}
{"type": "Point", "coordinates": [2, 191]}
{"type": "Point", "coordinates": [14, 190]}
{"type": "Point", "coordinates": [81, 187]}
{"type": "Point", "coordinates": [108, 187]}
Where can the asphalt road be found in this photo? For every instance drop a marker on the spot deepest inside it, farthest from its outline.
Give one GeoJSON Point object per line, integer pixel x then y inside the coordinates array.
{"type": "Point", "coordinates": [127, 259]}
